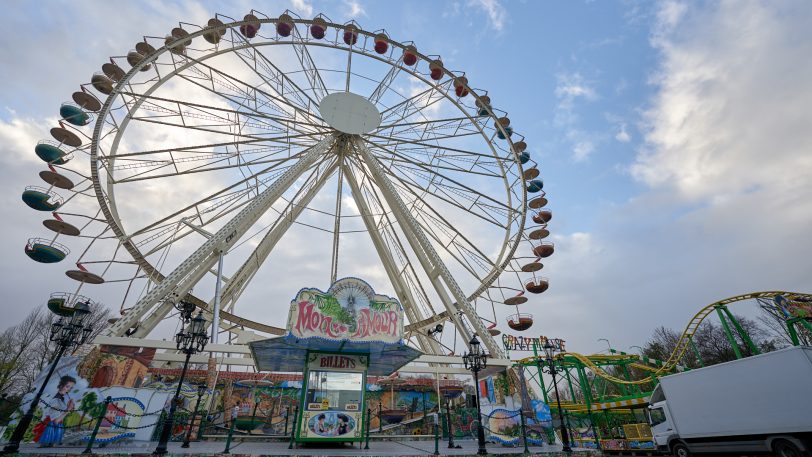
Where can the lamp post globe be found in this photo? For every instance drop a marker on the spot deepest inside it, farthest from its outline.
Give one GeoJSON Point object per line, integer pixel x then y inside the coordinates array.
{"type": "Point", "coordinates": [475, 361]}
{"type": "Point", "coordinates": [549, 352]}
{"type": "Point", "coordinates": [191, 339]}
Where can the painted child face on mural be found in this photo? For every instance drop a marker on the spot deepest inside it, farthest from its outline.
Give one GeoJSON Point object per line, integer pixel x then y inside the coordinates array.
{"type": "Point", "coordinates": [66, 387]}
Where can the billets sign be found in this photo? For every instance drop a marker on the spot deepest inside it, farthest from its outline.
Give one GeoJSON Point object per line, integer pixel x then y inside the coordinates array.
{"type": "Point", "coordinates": [337, 362]}
{"type": "Point", "coordinates": [349, 310]}
{"type": "Point", "coordinates": [522, 343]}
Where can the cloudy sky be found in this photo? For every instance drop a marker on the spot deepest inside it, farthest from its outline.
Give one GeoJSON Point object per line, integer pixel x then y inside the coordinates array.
{"type": "Point", "coordinates": [674, 140]}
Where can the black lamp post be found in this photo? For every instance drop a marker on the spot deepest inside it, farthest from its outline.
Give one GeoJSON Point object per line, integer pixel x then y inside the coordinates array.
{"type": "Point", "coordinates": [67, 334]}
{"type": "Point", "coordinates": [201, 390]}
{"type": "Point", "coordinates": [476, 361]}
{"type": "Point", "coordinates": [190, 340]}
{"type": "Point", "coordinates": [549, 351]}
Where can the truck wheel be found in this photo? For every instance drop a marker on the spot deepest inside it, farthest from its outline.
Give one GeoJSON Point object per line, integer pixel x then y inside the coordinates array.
{"type": "Point", "coordinates": [680, 450]}
{"type": "Point", "coordinates": [785, 448]}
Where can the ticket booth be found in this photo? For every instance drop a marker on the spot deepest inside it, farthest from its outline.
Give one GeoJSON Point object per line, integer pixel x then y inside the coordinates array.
{"type": "Point", "coordinates": [336, 338]}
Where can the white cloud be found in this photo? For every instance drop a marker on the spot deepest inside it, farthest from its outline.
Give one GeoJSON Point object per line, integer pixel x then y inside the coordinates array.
{"type": "Point", "coordinates": [302, 6]}
{"type": "Point", "coordinates": [622, 135]}
{"type": "Point", "coordinates": [571, 87]}
{"type": "Point", "coordinates": [496, 12]}
{"type": "Point", "coordinates": [731, 113]}
{"type": "Point", "coordinates": [354, 9]}
{"type": "Point", "coordinates": [582, 150]}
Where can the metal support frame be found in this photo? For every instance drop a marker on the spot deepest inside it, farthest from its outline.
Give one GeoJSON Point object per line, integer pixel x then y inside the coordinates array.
{"type": "Point", "coordinates": [740, 330]}
{"type": "Point", "coordinates": [403, 292]}
{"type": "Point", "coordinates": [191, 270]}
{"type": "Point", "coordinates": [729, 334]}
{"type": "Point", "coordinates": [436, 268]}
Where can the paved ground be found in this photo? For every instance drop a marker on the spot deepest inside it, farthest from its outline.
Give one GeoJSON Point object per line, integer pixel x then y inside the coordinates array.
{"type": "Point", "coordinates": [239, 448]}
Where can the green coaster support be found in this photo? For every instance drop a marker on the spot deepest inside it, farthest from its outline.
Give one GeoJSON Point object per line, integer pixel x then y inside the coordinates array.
{"type": "Point", "coordinates": [747, 340]}
{"type": "Point", "coordinates": [696, 351]}
{"type": "Point", "coordinates": [541, 377]}
{"type": "Point", "coordinates": [102, 413]}
{"type": "Point", "coordinates": [730, 338]}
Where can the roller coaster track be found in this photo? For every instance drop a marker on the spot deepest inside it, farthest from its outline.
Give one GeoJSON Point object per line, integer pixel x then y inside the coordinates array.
{"type": "Point", "coordinates": [684, 341]}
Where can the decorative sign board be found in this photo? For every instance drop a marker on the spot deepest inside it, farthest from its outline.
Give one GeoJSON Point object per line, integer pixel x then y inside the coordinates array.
{"type": "Point", "coordinates": [522, 343]}
{"type": "Point", "coordinates": [349, 310]}
{"type": "Point", "coordinates": [337, 362]}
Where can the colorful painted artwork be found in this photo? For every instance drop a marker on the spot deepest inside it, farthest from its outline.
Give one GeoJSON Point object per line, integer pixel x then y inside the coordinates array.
{"type": "Point", "coordinates": [504, 426]}
{"type": "Point", "coordinates": [349, 310]}
{"type": "Point", "coordinates": [69, 408]}
{"type": "Point", "coordinates": [332, 424]}
{"type": "Point", "coordinates": [543, 414]}
{"type": "Point", "coordinates": [793, 309]}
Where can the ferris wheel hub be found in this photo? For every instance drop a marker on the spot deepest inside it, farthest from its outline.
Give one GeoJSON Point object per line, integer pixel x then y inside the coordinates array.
{"type": "Point", "coordinates": [349, 113]}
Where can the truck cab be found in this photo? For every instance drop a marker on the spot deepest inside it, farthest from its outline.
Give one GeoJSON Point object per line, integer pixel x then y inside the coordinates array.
{"type": "Point", "coordinates": [662, 427]}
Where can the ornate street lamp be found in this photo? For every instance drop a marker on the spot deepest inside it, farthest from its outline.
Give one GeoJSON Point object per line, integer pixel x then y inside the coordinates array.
{"type": "Point", "coordinates": [476, 361]}
{"type": "Point", "coordinates": [190, 340]}
{"type": "Point", "coordinates": [201, 390]}
{"type": "Point", "coordinates": [549, 351]}
{"type": "Point", "coordinates": [67, 334]}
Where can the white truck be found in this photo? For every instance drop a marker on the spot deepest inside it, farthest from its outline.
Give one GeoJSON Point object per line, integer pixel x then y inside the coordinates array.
{"type": "Point", "coordinates": [757, 404]}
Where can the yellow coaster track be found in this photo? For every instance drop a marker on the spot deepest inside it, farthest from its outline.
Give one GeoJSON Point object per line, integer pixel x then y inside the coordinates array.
{"type": "Point", "coordinates": [683, 342]}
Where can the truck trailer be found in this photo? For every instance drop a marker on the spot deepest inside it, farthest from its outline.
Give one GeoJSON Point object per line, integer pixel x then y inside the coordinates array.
{"type": "Point", "coordinates": [759, 404]}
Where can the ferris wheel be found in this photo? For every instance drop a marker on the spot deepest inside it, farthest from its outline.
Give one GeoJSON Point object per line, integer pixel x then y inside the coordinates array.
{"type": "Point", "coordinates": [218, 140]}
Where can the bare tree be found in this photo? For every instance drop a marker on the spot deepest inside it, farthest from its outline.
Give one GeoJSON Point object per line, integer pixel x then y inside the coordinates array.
{"type": "Point", "coordinates": [26, 349]}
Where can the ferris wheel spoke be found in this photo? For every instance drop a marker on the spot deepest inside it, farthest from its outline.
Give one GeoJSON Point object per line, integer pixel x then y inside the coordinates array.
{"type": "Point", "coordinates": [429, 213]}
{"type": "Point", "coordinates": [278, 100]}
{"type": "Point", "coordinates": [194, 267]}
{"type": "Point", "coordinates": [309, 67]}
{"type": "Point", "coordinates": [398, 140]}
{"type": "Point", "coordinates": [207, 167]}
{"type": "Point", "coordinates": [286, 218]}
{"type": "Point", "coordinates": [221, 132]}
{"type": "Point", "coordinates": [431, 216]}
{"type": "Point", "coordinates": [441, 194]}
{"type": "Point", "coordinates": [404, 105]}
{"type": "Point", "coordinates": [257, 116]}
{"type": "Point", "coordinates": [444, 177]}
{"type": "Point", "coordinates": [271, 74]}
{"type": "Point", "coordinates": [402, 289]}
{"type": "Point", "coordinates": [443, 122]}
{"type": "Point", "coordinates": [218, 193]}
{"type": "Point", "coordinates": [369, 197]}
{"type": "Point", "coordinates": [290, 123]}
{"type": "Point", "coordinates": [385, 83]}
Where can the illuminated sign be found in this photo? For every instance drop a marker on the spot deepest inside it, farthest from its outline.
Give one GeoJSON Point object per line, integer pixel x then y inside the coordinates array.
{"type": "Point", "coordinates": [522, 343]}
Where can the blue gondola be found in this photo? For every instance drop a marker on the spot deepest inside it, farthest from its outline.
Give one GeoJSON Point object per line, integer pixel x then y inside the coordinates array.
{"type": "Point", "coordinates": [41, 199]}
{"type": "Point", "coordinates": [508, 130]}
{"type": "Point", "coordinates": [74, 114]}
{"type": "Point", "coordinates": [45, 251]}
{"type": "Point", "coordinates": [51, 153]}
{"type": "Point", "coordinates": [535, 186]}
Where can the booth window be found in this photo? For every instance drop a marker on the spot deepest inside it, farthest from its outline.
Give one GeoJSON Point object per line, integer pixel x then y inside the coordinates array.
{"type": "Point", "coordinates": [334, 390]}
